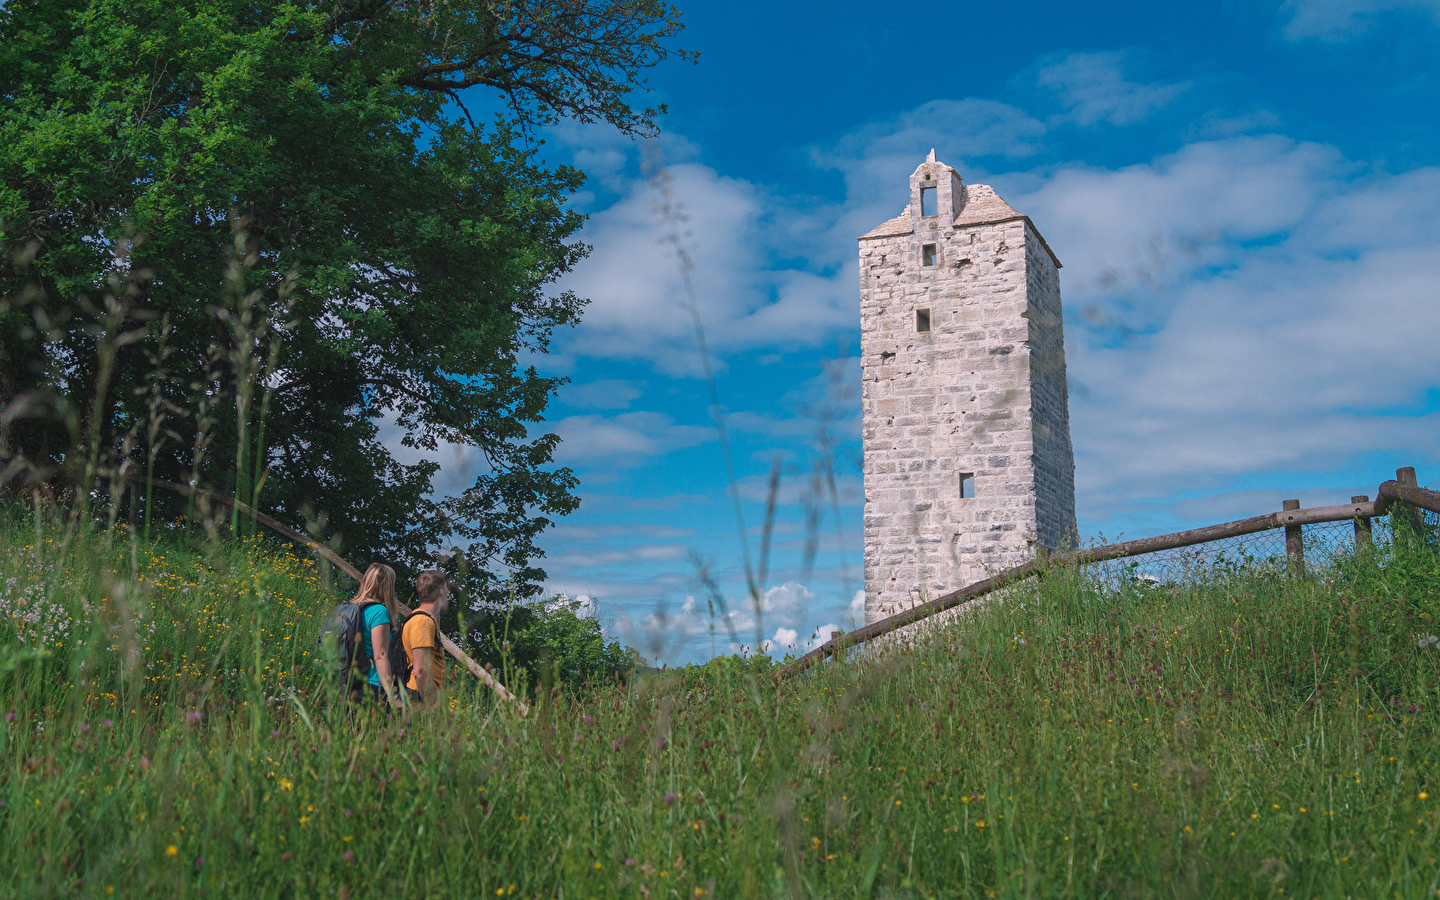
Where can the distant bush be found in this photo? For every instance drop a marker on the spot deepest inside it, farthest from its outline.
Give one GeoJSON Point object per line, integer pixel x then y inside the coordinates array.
{"type": "Point", "coordinates": [545, 642]}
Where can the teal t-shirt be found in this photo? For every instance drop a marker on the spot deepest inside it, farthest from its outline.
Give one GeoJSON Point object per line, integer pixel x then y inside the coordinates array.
{"type": "Point", "coordinates": [373, 616]}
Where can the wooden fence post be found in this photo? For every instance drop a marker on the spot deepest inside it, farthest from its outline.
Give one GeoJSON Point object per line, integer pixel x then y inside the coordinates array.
{"type": "Point", "coordinates": [1404, 511]}
{"type": "Point", "coordinates": [1294, 543]}
{"type": "Point", "coordinates": [1362, 525]}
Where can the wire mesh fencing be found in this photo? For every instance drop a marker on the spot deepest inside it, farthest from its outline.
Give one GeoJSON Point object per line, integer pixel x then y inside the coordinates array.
{"type": "Point", "coordinates": [1322, 544]}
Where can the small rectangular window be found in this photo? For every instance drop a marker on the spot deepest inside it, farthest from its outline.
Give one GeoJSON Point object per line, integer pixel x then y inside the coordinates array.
{"type": "Point", "coordinates": [927, 255]}
{"type": "Point", "coordinates": [967, 485]}
{"type": "Point", "coordinates": [927, 201]}
{"type": "Point", "coordinates": [922, 320]}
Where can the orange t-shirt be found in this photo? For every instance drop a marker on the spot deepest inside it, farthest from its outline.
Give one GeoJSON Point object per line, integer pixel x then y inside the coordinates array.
{"type": "Point", "coordinates": [421, 631]}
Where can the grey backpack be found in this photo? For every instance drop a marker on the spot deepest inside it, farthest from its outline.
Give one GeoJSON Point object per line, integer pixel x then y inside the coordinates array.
{"type": "Point", "coordinates": [340, 645]}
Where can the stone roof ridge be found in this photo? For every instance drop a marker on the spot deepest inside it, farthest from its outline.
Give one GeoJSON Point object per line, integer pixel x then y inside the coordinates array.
{"type": "Point", "coordinates": [901, 224]}
{"type": "Point", "coordinates": [981, 205]}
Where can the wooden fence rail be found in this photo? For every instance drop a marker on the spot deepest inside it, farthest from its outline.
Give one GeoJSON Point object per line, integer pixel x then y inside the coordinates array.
{"type": "Point", "coordinates": [1403, 490]}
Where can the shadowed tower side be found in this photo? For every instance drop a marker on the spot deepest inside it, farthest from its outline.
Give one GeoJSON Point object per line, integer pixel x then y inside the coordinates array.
{"type": "Point", "coordinates": [968, 462]}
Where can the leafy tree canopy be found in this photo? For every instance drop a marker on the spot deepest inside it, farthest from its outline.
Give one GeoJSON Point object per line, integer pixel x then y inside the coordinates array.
{"type": "Point", "coordinates": [550, 642]}
{"type": "Point", "coordinates": [240, 237]}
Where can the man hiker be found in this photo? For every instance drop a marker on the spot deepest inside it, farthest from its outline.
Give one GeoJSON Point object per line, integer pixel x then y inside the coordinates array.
{"type": "Point", "coordinates": [421, 638]}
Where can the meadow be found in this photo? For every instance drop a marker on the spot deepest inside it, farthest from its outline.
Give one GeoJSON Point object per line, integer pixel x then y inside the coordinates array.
{"type": "Point", "coordinates": [166, 731]}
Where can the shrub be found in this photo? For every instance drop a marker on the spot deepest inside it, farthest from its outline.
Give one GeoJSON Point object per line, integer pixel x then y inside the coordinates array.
{"type": "Point", "coordinates": [548, 642]}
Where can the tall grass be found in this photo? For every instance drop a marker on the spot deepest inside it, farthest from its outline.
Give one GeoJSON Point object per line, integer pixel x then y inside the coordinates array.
{"type": "Point", "coordinates": [164, 731]}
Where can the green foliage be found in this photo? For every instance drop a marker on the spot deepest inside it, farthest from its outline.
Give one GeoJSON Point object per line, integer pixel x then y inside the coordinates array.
{"type": "Point", "coordinates": [735, 667]}
{"type": "Point", "coordinates": [401, 258]}
{"type": "Point", "coordinates": [548, 642]}
{"type": "Point", "coordinates": [1227, 737]}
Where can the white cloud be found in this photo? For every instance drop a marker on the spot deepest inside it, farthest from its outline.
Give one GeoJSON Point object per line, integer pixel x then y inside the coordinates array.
{"type": "Point", "coordinates": [737, 624]}
{"type": "Point", "coordinates": [856, 610]}
{"type": "Point", "coordinates": [569, 531]}
{"type": "Point", "coordinates": [617, 555]}
{"type": "Point", "coordinates": [624, 439]}
{"type": "Point", "coordinates": [784, 639]}
{"type": "Point", "coordinates": [1158, 223]}
{"type": "Point", "coordinates": [638, 302]}
{"type": "Point", "coordinates": [1339, 20]}
{"type": "Point", "coordinates": [893, 146]}
{"type": "Point", "coordinates": [1093, 89]}
{"type": "Point", "coordinates": [788, 640]}
{"type": "Point", "coordinates": [608, 393]}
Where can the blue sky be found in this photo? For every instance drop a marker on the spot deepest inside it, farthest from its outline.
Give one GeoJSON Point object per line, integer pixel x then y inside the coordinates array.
{"type": "Point", "coordinates": [1245, 197]}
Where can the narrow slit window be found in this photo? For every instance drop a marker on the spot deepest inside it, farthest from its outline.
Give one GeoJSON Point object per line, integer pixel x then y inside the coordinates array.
{"type": "Point", "coordinates": [967, 485]}
{"type": "Point", "coordinates": [922, 320]}
{"type": "Point", "coordinates": [927, 201]}
{"type": "Point", "coordinates": [927, 255]}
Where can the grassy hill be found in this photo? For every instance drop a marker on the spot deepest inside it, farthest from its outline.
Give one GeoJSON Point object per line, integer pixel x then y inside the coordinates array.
{"type": "Point", "coordinates": [164, 732]}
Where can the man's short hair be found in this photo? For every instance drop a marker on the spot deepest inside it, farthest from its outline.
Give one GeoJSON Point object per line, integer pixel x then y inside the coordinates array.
{"type": "Point", "coordinates": [430, 586]}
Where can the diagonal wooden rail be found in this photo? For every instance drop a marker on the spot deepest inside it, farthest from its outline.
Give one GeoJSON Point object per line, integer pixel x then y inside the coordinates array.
{"type": "Point", "coordinates": [334, 558]}
{"type": "Point", "coordinates": [1389, 493]}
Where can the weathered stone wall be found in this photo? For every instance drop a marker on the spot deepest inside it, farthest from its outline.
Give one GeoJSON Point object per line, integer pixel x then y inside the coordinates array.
{"type": "Point", "coordinates": [982, 392]}
{"type": "Point", "coordinates": [1049, 400]}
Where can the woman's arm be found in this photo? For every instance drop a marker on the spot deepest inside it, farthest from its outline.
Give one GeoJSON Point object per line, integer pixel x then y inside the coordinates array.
{"type": "Point", "coordinates": [380, 644]}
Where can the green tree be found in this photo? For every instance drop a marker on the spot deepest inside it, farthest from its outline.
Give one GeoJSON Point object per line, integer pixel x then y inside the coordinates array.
{"type": "Point", "coordinates": [299, 193]}
{"type": "Point", "coordinates": [550, 641]}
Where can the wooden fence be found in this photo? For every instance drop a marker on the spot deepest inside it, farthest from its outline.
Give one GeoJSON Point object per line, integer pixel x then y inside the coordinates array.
{"type": "Point", "coordinates": [1402, 496]}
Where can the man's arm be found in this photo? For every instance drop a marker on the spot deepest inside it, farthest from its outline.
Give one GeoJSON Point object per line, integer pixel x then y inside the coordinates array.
{"type": "Point", "coordinates": [420, 662]}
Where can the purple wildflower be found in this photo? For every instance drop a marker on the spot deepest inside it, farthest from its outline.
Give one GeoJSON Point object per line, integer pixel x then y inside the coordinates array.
{"type": "Point", "coordinates": [671, 797]}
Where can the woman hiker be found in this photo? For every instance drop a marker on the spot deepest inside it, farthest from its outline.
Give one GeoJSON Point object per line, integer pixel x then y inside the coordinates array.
{"type": "Point", "coordinates": [377, 602]}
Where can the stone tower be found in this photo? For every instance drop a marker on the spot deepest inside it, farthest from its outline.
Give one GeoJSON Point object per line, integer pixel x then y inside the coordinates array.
{"type": "Point", "coordinates": [968, 463]}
